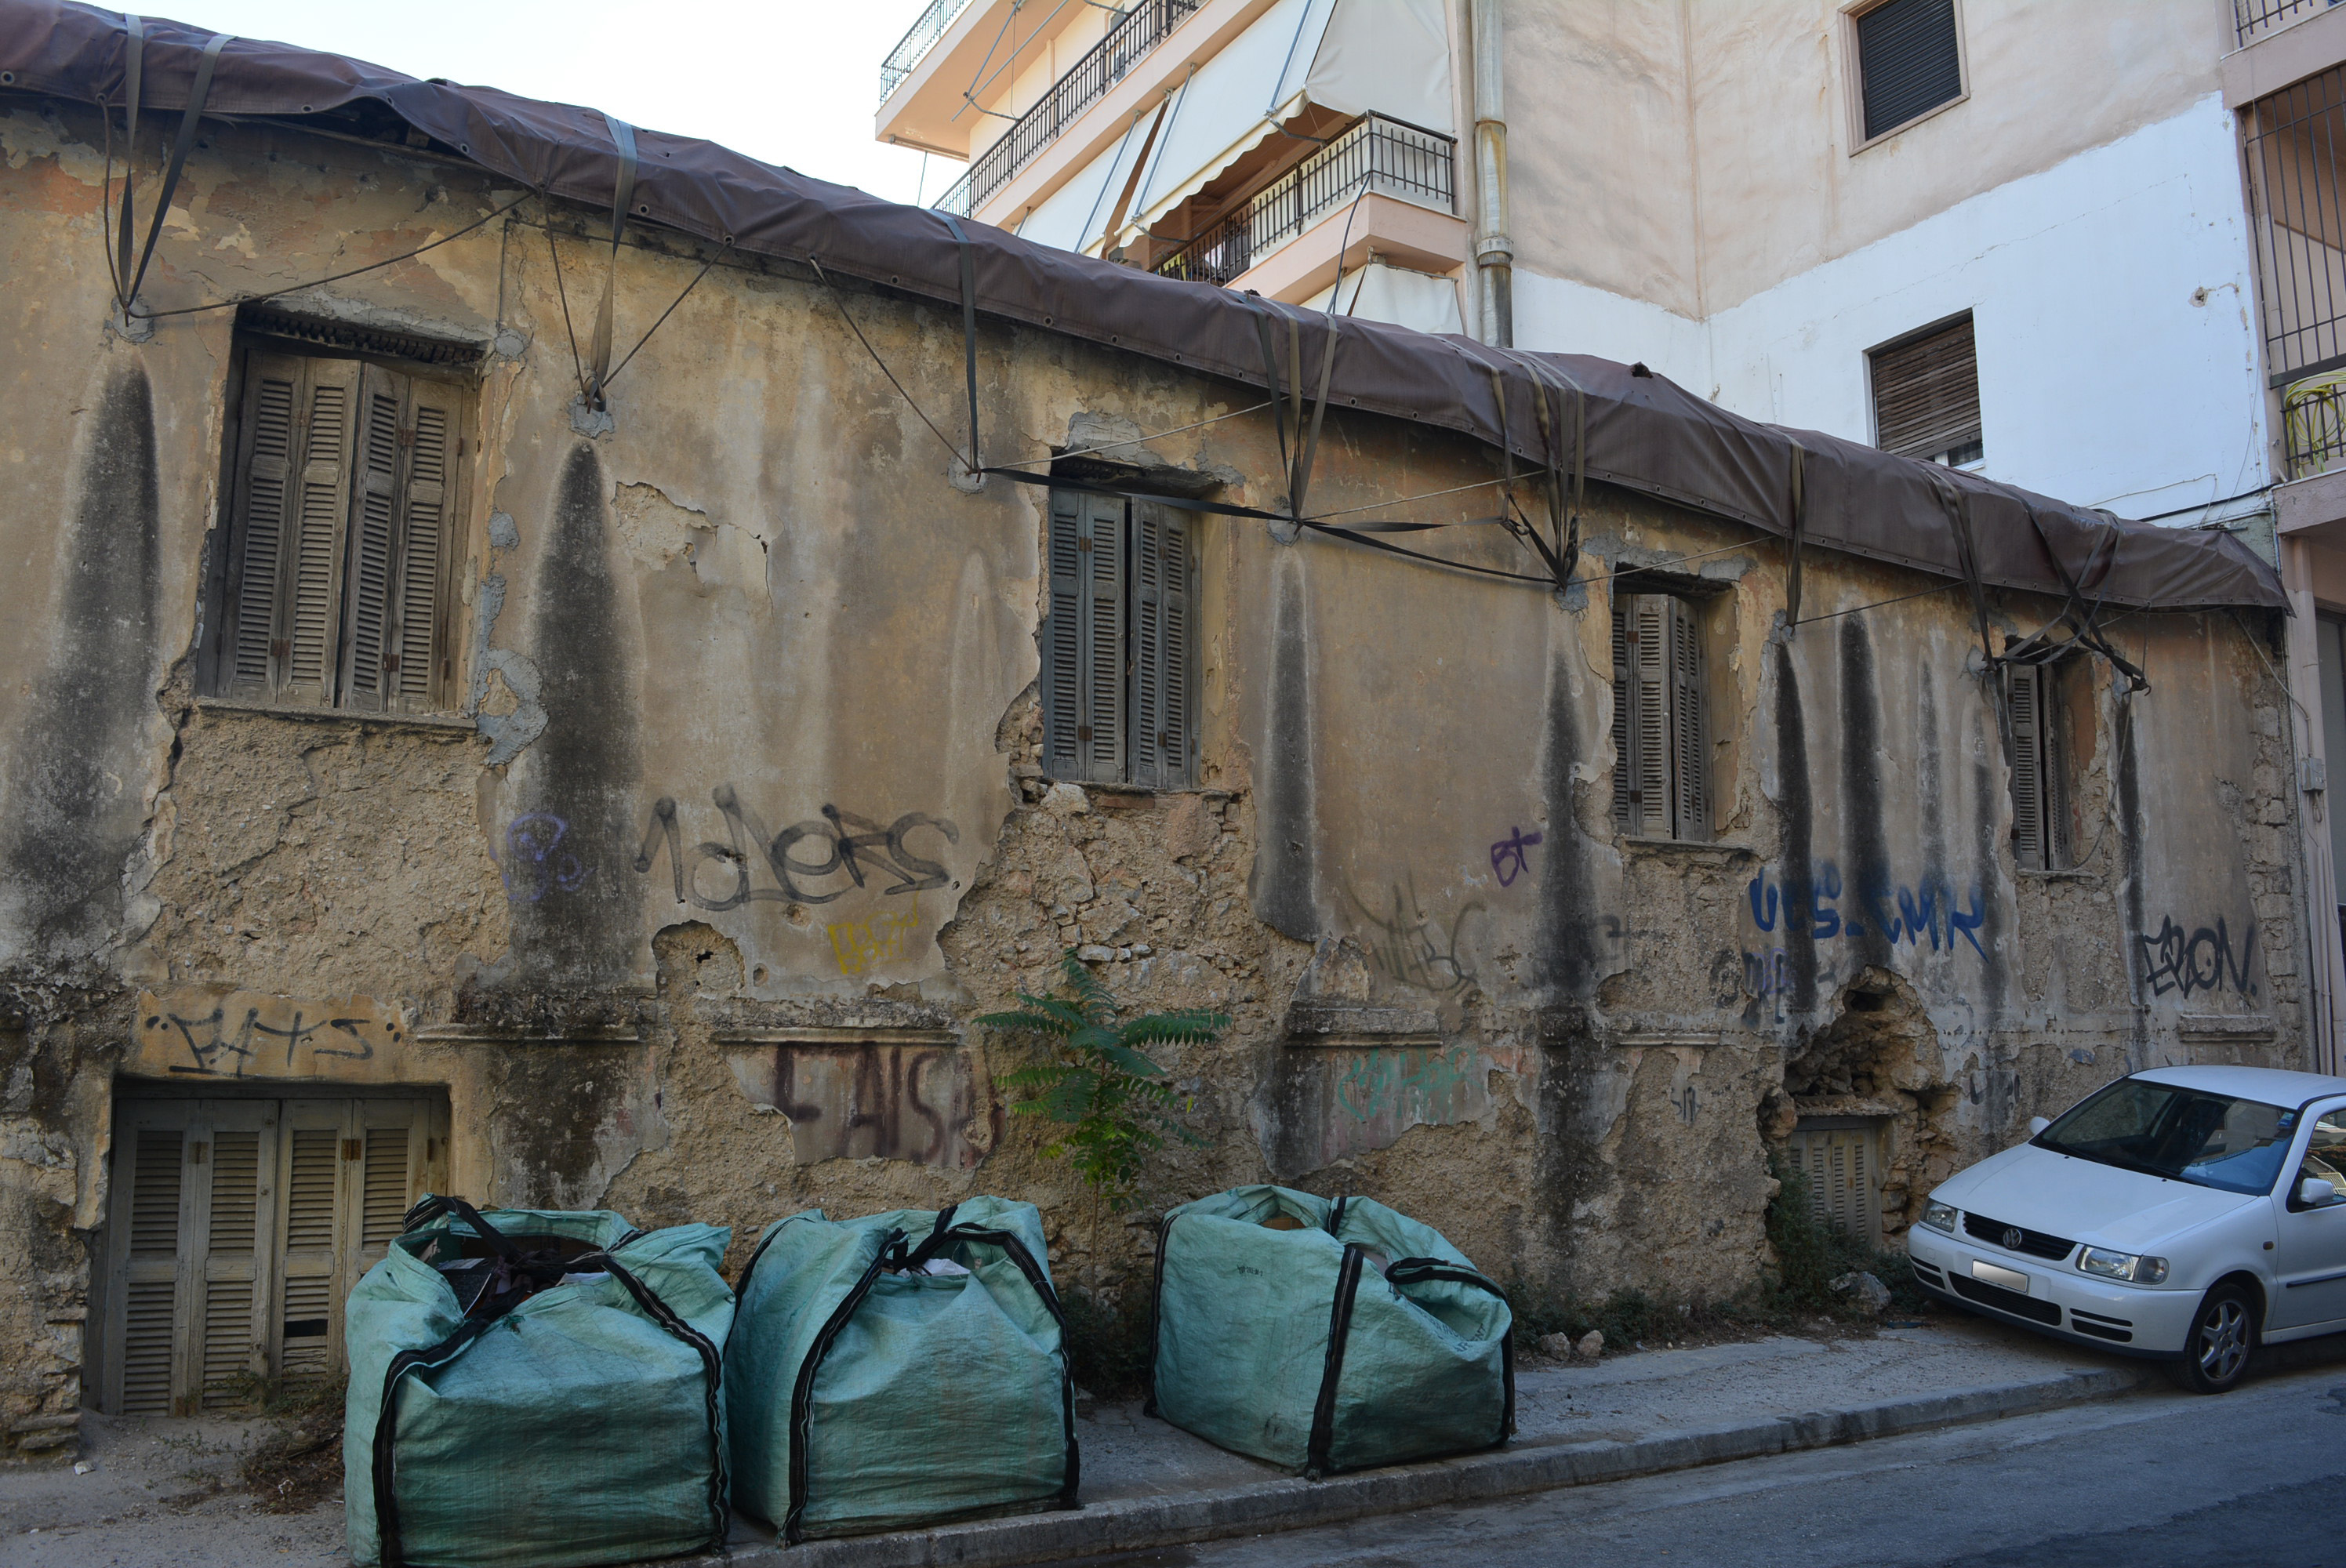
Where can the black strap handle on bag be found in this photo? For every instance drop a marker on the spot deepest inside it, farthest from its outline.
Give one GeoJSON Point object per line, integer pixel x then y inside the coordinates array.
{"type": "Point", "coordinates": [1410, 1271]}
{"type": "Point", "coordinates": [486, 1311]}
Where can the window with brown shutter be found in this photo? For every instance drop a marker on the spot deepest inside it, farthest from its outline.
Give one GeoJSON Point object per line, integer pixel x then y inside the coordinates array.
{"type": "Point", "coordinates": [1661, 778]}
{"type": "Point", "coordinates": [2043, 795]}
{"type": "Point", "coordinates": [334, 582]}
{"type": "Point", "coordinates": [1909, 61]}
{"type": "Point", "coordinates": [1117, 643]}
{"type": "Point", "coordinates": [1926, 399]}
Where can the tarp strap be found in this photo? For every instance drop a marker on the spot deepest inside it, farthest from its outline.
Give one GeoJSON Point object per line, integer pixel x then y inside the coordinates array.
{"type": "Point", "coordinates": [712, 1372]}
{"type": "Point", "coordinates": [968, 329]}
{"type": "Point", "coordinates": [1340, 1329]}
{"type": "Point", "coordinates": [127, 279]}
{"type": "Point", "coordinates": [1302, 481]}
{"type": "Point", "coordinates": [1156, 1315]}
{"type": "Point", "coordinates": [2082, 619]}
{"type": "Point", "coordinates": [1795, 541]}
{"type": "Point", "coordinates": [623, 192]}
{"type": "Point", "coordinates": [1273, 381]}
{"type": "Point", "coordinates": [1959, 518]}
{"type": "Point", "coordinates": [432, 1205]}
{"type": "Point", "coordinates": [1410, 1271]}
{"type": "Point", "coordinates": [802, 1391]}
{"type": "Point", "coordinates": [1336, 1213]}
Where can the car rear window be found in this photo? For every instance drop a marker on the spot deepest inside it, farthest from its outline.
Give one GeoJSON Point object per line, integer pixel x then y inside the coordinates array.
{"type": "Point", "coordinates": [2183, 1135]}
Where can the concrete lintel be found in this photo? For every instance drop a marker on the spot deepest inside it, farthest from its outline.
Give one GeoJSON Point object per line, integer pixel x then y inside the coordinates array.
{"type": "Point", "coordinates": [2305, 504]}
{"type": "Point", "coordinates": [2277, 59]}
{"type": "Point", "coordinates": [834, 1037]}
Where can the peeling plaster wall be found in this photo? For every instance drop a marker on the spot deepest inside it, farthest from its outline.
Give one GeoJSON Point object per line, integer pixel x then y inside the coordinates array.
{"type": "Point", "coordinates": [756, 615]}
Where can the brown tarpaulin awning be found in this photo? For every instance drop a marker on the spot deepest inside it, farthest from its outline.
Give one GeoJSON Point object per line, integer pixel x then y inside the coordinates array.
{"type": "Point", "coordinates": [1643, 431]}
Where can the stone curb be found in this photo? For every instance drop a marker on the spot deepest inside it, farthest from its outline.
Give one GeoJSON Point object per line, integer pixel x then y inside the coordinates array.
{"type": "Point", "coordinates": [1133, 1523]}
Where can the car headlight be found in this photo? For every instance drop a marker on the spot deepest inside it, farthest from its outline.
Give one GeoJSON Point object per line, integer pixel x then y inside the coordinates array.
{"type": "Point", "coordinates": [2125, 1266]}
{"type": "Point", "coordinates": [1940, 1215]}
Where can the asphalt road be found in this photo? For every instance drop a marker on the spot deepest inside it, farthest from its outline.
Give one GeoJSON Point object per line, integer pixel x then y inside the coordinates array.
{"type": "Point", "coordinates": [2156, 1480]}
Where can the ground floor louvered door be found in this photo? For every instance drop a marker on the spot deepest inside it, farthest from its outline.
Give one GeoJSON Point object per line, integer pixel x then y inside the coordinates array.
{"type": "Point", "coordinates": [1841, 1157]}
{"type": "Point", "coordinates": [236, 1228]}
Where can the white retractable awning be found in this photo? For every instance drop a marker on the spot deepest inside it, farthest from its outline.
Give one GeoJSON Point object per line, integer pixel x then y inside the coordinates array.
{"type": "Point", "coordinates": [1075, 216]}
{"type": "Point", "coordinates": [1395, 294]}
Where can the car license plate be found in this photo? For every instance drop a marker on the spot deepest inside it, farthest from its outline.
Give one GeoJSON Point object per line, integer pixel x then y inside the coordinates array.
{"type": "Point", "coordinates": [2010, 1278]}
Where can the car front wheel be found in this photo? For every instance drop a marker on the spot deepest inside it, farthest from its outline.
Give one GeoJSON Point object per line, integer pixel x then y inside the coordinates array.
{"type": "Point", "coordinates": [2223, 1332]}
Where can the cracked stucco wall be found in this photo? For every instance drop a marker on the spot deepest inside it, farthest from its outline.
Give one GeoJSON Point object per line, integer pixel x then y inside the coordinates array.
{"type": "Point", "coordinates": [612, 909]}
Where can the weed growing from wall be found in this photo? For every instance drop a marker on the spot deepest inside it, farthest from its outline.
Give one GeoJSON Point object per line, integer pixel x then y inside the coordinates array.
{"type": "Point", "coordinates": [1108, 1102]}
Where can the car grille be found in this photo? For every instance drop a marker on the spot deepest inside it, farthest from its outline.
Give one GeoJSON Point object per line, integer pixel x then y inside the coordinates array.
{"type": "Point", "coordinates": [2035, 1243]}
{"type": "Point", "coordinates": [1927, 1274]}
{"type": "Point", "coordinates": [2004, 1300]}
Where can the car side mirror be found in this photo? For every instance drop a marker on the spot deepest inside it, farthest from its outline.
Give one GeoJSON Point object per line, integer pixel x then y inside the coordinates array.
{"type": "Point", "coordinates": [2037, 1124]}
{"type": "Point", "coordinates": [2312, 1192]}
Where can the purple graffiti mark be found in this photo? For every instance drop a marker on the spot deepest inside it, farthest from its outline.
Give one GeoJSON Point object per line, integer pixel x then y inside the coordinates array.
{"type": "Point", "coordinates": [536, 858]}
{"type": "Point", "coordinates": [1507, 855]}
{"type": "Point", "coordinates": [2202, 960]}
{"type": "Point", "coordinates": [210, 1039]}
{"type": "Point", "coordinates": [851, 846]}
{"type": "Point", "coordinates": [1912, 912]}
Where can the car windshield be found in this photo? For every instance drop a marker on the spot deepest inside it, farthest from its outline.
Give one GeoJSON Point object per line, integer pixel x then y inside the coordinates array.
{"type": "Point", "coordinates": [2184, 1134]}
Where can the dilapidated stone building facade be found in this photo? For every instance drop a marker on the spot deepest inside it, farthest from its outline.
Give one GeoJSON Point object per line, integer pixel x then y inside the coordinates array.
{"type": "Point", "coordinates": [632, 807]}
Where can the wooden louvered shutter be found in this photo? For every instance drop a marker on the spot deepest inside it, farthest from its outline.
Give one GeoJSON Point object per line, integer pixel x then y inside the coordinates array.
{"type": "Point", "coordinates": [1926, 399]}
{"type": "Point", "coordinates": [393, 1138]}
{"type": "Point", "coordinates": [1100, 735]}
{"type": "Point", "coordinates": [1689, 766]}
{"type": "Point", "coordinates": [309, 1258]}
{"type": "Point", "coordinates": [2025, 721]}
{"type": "Point", "coordinates": [1649, 715]}
{"type": "Point", "coordinates": [1838, 1159]}
{"type": "Point", "coordinates": [267, 498]}
{"type": "Point", "coordinates": [309, 624]}
{"type": "Point", "coordinates": [235, 1332]}
{"type": "Point", "coordinates": [1625, 764]}
{"type": "Point", "coordinates": [148, 1198]}
{"type": "Point", "coordinates": [1160, 703]}
{"type": "Point", "coordinates": [1062, 640]}
{"type": "Point", "coordinates": [421, 667]}
{"type": "Point", "coordinates": [367, 591]}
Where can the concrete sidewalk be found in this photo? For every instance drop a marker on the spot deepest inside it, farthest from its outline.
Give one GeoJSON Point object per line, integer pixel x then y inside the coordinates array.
{"type": "Point", "coordinates": [148, 1495]}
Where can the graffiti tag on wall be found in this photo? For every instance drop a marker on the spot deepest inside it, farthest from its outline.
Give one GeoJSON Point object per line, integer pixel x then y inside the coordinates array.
{"type": "Point", "coordinates": [1405, 944]}
{"type": "Point", "coordinates": [199, 1032]}
{"type": "Point", "coordinates": [2191, 962]}
{"type": "Point", "coordinates": [1903, 912]}
{"type": "Point", "coordinates": [858, 1101]}
{"type": "Point", "coordinates": [810, 862]}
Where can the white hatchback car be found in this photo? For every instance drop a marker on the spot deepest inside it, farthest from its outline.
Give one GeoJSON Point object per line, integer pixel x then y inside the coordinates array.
{"type": "Point", "coordinates": [2184, 1212]}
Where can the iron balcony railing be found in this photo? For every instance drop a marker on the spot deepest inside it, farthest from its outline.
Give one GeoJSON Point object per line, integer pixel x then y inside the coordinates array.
{"type": "Point", "coordinates": [918, 40]}
{"type": "Point", "coordinates": [2313, 425]}
{"type": "Point", "coordinates": [2254, 19]}
{"type": "Point", "coordinates": [1107, 63]}
{"type": "Point", "coordinates": [1373, 154]}
{"type": "Point", "coordinates": [2293, 144]}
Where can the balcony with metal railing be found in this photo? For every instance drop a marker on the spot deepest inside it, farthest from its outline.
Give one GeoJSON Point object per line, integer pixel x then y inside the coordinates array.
{"type": "Point", "coordinates": [2255, 19]}
{"type": "Point", "coordinates": [1107, 63]}
{"type": "Point", "coordinates": [919, 39]}
{"type": "Point", "coordinates": [1374, 155]}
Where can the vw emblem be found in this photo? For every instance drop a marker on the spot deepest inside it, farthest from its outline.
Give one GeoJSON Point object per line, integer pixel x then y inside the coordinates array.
{"type": "Point", "coordinates": [2012, 1237]}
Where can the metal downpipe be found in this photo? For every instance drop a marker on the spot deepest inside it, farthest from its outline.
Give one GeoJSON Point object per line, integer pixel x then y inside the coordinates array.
{"type": "Point", "coordinates": [1494, 252]}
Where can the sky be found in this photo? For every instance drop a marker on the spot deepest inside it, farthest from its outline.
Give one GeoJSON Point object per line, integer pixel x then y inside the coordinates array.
{"type": "Point", "coordinates": [791, 82]}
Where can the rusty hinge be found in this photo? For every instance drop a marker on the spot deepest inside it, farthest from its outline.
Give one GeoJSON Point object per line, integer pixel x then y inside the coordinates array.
{"type": "Point", "coordinates": [1083, 732]}
{"type": "Point", "coordinates": [460, 446]}
{"type": "Point", "coordinates": [1084, 544]}
{"type": "Point", "coordinates": [391, 661]}
{"type": "Point", "coordinates": [406, 436]}
{"type": "Point", "coordinates": [196, 1153]}
{"type": "Point", "coordinates": [353, 1149]}
{"type": "Point", "coordinates": [281, 648]}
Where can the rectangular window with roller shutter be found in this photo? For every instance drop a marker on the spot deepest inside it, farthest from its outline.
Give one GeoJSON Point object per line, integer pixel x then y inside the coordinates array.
{"type": "Point", "coordinates": [1926, 397]}
{"type": "Point", "coordinates": [1661, 769]}
{"type": "Point", "coordinates": [345, 478]}
{"type": "Point", "coordinates": [236, 1227]}
{"type": "Point", "coordinates": [1119, 653]}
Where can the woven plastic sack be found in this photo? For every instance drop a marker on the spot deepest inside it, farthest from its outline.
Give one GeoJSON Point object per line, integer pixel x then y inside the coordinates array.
{"type": "Point", "coordinates": [533, 1388]}
{"type": "Point", "coordinates": [1325, 1336]}
{"type": "Point", "coordinates": [902, 1370]}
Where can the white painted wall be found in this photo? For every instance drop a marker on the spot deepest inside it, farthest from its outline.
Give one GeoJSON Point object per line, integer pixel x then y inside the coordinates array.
{"type": "Point", "coordinates": [2107, 378]}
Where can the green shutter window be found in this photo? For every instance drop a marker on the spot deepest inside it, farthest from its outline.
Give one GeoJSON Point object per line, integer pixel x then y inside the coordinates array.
{"type": "Point", "coordinates": [1159, 704]}
{"type": "Point", "coordinates": [341, 531]}
{"type": "Point", "coordinates": [2040, 794]}
{"type": "Point", "coordinates": [1661, 771]}
{"type": "Point", "coordinates": [1062, 662]}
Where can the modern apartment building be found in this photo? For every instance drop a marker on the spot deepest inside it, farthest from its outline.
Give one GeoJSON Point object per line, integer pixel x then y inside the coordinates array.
{"type": "Point", "coordinates": [2095, 250]}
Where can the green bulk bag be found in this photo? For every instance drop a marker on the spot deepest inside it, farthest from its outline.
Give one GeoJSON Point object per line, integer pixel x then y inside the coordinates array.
{"type": "Point", "coordinates": [1324, 1336]}
{"type": "Point", "coordinates": [900, 1370]}
{"type": "Point", "coordinates": [498, 1416]}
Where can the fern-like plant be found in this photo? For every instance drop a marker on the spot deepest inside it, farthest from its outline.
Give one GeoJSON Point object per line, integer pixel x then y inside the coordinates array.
{"type": "Point", "coordinates": [1097, 1082]}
